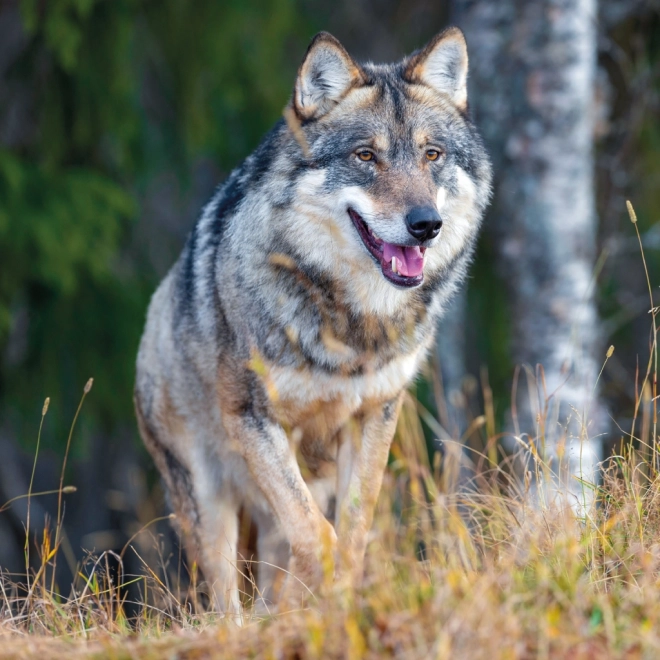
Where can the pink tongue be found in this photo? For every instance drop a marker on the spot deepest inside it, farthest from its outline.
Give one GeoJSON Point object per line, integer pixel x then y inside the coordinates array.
{"type": "Point", "coordinates": [410, 260]}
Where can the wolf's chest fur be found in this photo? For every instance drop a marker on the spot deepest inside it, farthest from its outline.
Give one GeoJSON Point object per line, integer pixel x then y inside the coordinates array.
{"type": "Point", "coordinates": [320, 402]}
{"type": "Point", "coordinates": [322, 362]}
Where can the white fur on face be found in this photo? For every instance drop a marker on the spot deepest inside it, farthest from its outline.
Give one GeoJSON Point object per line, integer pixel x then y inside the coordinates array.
{"type": "Point", "coordinates": [460, 217]}
{"type": "Point", "coordinates": [324, 233]}
{"type": "Point", "coordinates": [332, 243]}
{"type": "Point", "coordinates": [441, 198]}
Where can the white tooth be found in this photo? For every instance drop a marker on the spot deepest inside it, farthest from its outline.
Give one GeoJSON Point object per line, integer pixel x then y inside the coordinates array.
{"type": "Point", "coordinates": [375, 236]}
{"type": "Point", "coordinates": [394, 270]}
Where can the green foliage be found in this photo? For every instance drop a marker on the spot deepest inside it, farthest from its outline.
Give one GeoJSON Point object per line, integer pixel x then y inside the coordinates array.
{"type": "Point", "coordinates": [55, 226]}
{"type": "Point", "coordinates": [121, 92]}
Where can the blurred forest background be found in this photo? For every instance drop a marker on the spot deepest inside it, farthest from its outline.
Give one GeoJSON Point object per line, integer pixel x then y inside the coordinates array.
{"type": "Point", "coordinates": [117, 120]}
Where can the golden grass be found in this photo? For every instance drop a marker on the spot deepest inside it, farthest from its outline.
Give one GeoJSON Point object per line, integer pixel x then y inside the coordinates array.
{"type": "Point", "coordinates": [477, 572]}
{"type": "Point", "coordinates": [449, 575]}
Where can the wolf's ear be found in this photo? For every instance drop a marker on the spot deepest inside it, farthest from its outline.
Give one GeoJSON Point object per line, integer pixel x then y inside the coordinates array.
{"type": "Point", "coordinates": [326, 75]}
{"type": "Point", "coordinates": [443, 65]}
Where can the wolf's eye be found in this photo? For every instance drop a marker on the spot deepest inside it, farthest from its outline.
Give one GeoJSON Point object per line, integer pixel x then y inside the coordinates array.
{"type": "Point", "coordinates": [365, 155]}
{"type": "Point", "coordinates": [432, 154]}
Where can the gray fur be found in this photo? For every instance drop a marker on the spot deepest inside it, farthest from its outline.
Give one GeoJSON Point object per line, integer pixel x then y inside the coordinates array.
{"type": "Point", "coordinates": [276, 326]}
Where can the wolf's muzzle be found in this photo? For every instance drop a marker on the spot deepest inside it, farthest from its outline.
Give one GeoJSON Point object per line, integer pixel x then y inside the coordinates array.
{"type": "Point", "coordinates": [423, 223]}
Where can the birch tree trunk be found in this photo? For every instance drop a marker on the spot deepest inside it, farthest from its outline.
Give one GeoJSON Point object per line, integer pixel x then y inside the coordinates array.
{"type": "Point", "coordinates": [533, 65]}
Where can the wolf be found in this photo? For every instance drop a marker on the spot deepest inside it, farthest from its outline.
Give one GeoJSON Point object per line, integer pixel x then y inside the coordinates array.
{"type": "Point", "coordinates": [277, 350]}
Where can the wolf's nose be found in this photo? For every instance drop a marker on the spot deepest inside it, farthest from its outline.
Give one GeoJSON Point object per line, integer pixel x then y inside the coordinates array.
{"type": "Point", "coordinates": [423, 223]}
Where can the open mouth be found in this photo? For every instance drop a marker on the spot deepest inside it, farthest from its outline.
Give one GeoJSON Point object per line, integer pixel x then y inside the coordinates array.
{"type": "Point", "coordinates": [401, 264]}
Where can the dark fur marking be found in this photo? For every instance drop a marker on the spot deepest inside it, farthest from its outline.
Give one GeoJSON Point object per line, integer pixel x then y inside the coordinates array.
{"type": "Point", "coordinates": [187, 276]}
{"type": "Point", "coordinates": [253, 405]}
{"type": "Point", "coordinates": [292, 482]}
{"type": "Point", "coordinates": [178, 480]}
{"type": "Point", "coordinates": [181, 480]}
{"type": "Point", "coordinates": [398, 103]}
{"type": "Point", "coordinates": [224, 331]}
{"type": "Point", "coordinates": [388, 410]}
{"type": "Point", "coordinates": [331, 508]}
{"type": "Point", "coordinates": [262, 159]}
{"type": "Point", "coordinates": [231, 196]}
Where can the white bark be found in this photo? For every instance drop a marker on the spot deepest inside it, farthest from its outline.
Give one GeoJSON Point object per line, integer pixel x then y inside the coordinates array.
{"type": "Point", "coordinates": [533, 64]}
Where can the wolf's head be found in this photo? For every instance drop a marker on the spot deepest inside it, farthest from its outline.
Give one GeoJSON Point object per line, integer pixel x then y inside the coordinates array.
{"type": "Point", "coordinates": [396, 174]}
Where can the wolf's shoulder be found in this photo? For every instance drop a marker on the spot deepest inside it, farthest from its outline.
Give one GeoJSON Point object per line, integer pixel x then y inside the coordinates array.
{"type": "Point", "coordinates": [228, 197]}
{"type": "Point", "coordinates": [195, 274]}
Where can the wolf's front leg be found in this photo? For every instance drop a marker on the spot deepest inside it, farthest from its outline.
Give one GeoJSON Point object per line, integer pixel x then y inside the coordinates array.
{"type": "Point", "coordinates": [273, 466]}
{"type": "Point", "coordinates": [361, 461]}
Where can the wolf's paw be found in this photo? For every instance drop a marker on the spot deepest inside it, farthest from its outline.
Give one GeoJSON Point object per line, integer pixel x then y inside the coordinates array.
{"type": "Point", "coordinates": [311, 567]}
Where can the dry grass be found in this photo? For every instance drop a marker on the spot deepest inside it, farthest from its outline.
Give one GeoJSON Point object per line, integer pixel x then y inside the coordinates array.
{"type": "Point", "coordinates": [451, 573]}
{"type": "Point", "coordinates": [472, 575]}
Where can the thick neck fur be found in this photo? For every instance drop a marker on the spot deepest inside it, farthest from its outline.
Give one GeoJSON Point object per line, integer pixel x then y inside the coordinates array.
{"type": "Point", "coordinates": [275, 256]}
